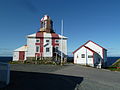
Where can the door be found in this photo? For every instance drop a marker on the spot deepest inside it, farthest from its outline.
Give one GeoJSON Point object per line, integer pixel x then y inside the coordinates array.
{"type": "Point", "coordinates": [21, 55]}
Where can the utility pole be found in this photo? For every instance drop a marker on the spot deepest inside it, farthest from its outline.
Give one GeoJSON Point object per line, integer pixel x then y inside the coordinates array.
{"type": "Point", "coordinates": [61, 41]}
{"type": "Point", "coordinates": [56, 56]}
{"type": "Point", "coordinates": [86, 58]}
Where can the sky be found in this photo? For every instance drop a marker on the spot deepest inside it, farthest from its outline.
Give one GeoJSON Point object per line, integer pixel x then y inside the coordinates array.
{"type": "Point", "coordinates": [96, 20]}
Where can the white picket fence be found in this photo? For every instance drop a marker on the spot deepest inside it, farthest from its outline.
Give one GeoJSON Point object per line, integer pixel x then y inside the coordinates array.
{"type": "Point", "coordinates": [4, 73]}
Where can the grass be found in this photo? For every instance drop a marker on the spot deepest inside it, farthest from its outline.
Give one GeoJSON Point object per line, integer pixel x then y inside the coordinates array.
{"type": "Point", "coordinates": [44, 62]}
{"type": "Point", "coordinates": [16, 62]}
{"type": "Point", "coordinates": [115, 66]}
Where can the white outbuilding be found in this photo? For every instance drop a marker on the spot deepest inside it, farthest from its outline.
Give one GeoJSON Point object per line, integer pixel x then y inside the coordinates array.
{"type": "Point", "coordinates": [90, 54]}
{"type": "Point", "coordinates": [20, 53]}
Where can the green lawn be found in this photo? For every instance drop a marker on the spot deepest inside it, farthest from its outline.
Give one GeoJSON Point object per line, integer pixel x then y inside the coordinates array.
{"type": "Point", "coordinates": [113, 68]}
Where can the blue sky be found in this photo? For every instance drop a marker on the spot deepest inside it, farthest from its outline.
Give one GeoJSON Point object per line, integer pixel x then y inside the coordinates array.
{"type": "Point", "coordinates": [96, 20]}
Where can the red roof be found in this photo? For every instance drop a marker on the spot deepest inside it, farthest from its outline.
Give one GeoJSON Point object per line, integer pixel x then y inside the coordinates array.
{"type": "Point", "coordinates": [95, 43]}
{"type": "Point", "coordinates": [88, 47]}
{"type": "Point", "coordinates": [40, 34]}
{"type": "Point", "coordinates": [85, 47]}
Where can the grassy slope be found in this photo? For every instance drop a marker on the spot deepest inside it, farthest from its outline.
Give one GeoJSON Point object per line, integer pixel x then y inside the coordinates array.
{"type": "Point", "coordinates": [115, 66]}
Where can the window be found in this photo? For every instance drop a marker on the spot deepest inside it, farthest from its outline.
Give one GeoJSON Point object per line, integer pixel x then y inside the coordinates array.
{"type": "Point", "coordinates": [57, 41]}
{"type": "Point", "coordinates": [47, 49]}
{"type": "Point", "coordinates": [82, 55]}
{"type": "Point", "coordinates": [57, 48]}
{"type": "Point", "coordinates": [37, 40]}
{"type": "Point", "coordinates": [47, 41]}
{"type": "Point", "coordinates": [90, 56]}
{"type": "Point", "coordinates": [37, 48]}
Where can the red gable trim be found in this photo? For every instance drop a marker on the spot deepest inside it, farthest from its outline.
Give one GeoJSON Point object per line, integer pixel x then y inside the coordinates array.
{"type": "Point", "coordinates": [54, 35]}
{"type": "Point", "coordinates": [99, 46]}
{"type": "Point", "coordinates": [39, 34]}
{"type": "Point", "coordinates": [95, 43]}
{"type": "Point", "coordinates": [78, 49]}
{"type": "Point", "coordinates": [88, 42]}
{"type": "Point", "coordinates": [85, 47]}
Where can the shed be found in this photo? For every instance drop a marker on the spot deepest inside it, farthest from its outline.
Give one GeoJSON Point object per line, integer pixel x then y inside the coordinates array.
{"type": "Point", "coordinates": [90, 54]}
{"type": "Point", "coordinates": [20, 53]}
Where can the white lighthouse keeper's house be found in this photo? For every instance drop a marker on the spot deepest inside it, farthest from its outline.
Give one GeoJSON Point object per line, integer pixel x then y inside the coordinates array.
{"type": "Point", "coordinates": [90, 54]}
{"type": "Point", "coordinates": [43, 44]}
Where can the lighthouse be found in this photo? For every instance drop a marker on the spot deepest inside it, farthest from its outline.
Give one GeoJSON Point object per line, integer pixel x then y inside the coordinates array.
{"type": "Point", "coordinates": [42, 45]}
{"type": "Point", "coordinates": [46, 24]}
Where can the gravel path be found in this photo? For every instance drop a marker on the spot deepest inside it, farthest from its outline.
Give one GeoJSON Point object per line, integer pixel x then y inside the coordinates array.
{"type": "Point", "coordinates": [94, 79]}
{"type": "Point", "coordinates": [68, 77]}
{"type": "Point", "coordinates": [35, 68]}
{"type": "Point", "coordinates": [38, 77]}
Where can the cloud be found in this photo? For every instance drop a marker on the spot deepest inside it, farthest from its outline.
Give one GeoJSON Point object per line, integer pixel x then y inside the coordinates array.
{"type": "Point", "coordinates": [113, 52]}
{"type": "Point", "coordinates": [4, 49]}
{"type": "Point", "coordinates": [29, 5]}
{"type": "Point", "coordinates": [113, 49]}
{"type": "Point", "coordinates": [5, 52]}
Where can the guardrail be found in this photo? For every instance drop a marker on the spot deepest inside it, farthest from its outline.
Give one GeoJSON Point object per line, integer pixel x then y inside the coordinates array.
{"type": "Point", "coordinates": [4, 73]}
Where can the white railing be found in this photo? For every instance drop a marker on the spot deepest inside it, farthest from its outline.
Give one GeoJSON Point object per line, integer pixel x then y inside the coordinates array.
{"type": "Point", "coordinates": [4, 73]}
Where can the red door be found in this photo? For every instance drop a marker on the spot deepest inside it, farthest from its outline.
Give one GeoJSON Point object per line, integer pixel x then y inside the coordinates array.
{"type": "Point", "coordinates": [21, 55]}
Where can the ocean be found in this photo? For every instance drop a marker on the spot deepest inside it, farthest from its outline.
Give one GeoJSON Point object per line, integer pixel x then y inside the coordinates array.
{"type": "Point", "coordinates": [5, 59]}
{"type": "Point", "coordinates": [110, 60]}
